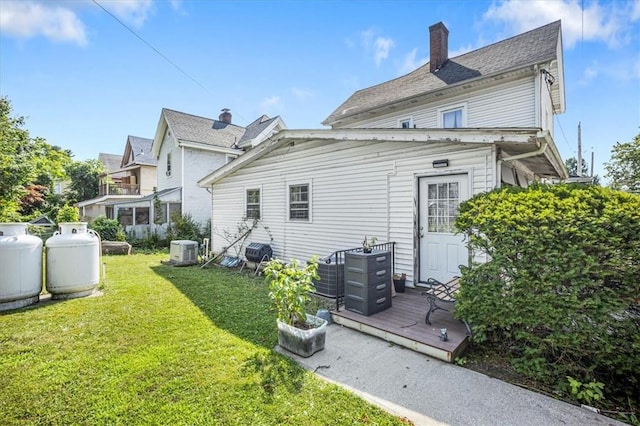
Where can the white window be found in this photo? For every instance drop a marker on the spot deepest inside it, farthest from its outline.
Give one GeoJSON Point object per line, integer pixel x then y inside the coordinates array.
{"type": "Point", "coordinates": [300, 202]}
{"type": "Point", "coordinates": [252, 203]}
{"type": "Point", "coordinates": [453, 117]}
{"type": "Point", "coordinates": [406, 123]}
{"type": "Point", "coordinates": [168, 172]}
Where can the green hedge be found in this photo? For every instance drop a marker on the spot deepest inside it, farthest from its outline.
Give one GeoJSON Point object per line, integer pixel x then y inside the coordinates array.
{"type": "Point", "coordinates": [560, 290]}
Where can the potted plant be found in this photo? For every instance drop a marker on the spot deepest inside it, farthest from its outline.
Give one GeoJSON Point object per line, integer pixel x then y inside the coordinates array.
{"type": "Point", "coordinates": [367, 244]}
{"type": "Point", "coordinates": [289, 289]}
{"type": "Point", "coordinates": [399, 281]}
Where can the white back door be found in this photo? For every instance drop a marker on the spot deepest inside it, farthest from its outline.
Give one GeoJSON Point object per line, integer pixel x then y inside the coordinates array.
{"type": "Point", "coordinates": [441, 251]}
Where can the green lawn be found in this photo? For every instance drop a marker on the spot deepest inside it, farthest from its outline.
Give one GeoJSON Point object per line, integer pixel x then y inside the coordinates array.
{"type": "Point", "coordinates": [162, 345]}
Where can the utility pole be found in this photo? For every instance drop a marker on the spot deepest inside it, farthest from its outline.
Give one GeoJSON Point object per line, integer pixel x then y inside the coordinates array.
{"type": "Point", "coordinates": [579, 150]}
{"type": "Point", "coordinates": [592, 163]}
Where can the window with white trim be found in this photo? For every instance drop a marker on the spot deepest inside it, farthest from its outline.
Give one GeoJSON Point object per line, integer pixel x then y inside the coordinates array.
{"type": "Point", "coordinates": [406, 123]}
{"type": "Point", "coordinates": [453, 117]}
{"type": "Point", "coordinates": [252, 203]}
{"type": "Point", "coordinates": [299, 202]}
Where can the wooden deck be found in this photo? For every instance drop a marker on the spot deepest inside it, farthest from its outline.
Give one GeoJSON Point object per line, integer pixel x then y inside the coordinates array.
{"type": "Point", "coordinates": [404, 324]}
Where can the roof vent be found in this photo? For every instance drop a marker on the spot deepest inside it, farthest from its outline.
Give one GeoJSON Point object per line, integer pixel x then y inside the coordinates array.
{"type": "Point", "coordinates": [225, 117]}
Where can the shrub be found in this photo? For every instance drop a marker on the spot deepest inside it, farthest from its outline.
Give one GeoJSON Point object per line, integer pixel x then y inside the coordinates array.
{"type": "Point", "coordinates": [183, 227]}
{"type": "Point", "coordinates": [290, 287]}
{"type": "Point", "coordinates": [68, 214]}
{"type": "Point", "coordinates": [561, 284]}
{"type": "Point", "coordinates": [108, 229]}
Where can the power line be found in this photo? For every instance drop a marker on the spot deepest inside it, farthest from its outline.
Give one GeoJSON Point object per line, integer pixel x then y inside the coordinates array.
{"type": "Point", "coordinates": [152, 48]}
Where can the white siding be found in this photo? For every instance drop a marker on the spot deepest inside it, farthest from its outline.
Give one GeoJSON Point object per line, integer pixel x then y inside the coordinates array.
{"type": "Point", "coordinates": [509, 104]}
{"type": "Point", "coordinates": [358, 189]}
{"type": "Point", "coordinates": [169, 145]}
{"type": "Point", "coordinates": [197, 164]}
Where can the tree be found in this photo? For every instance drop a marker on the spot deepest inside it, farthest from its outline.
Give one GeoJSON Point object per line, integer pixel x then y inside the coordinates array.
{"type": "Point", "coordinates": [25, 164]}
{"type": "Point", "coordinates": [572, 168]}
{"type": "Point", "coordinates": [624, 167]}
{"type": "Point", "coordinates": [14, 170]}
{"type": "Point", "coordinates": [85, 180]}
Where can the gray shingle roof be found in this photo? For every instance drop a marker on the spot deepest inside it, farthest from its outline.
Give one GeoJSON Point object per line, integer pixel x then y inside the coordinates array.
{"type": "Point", "coordinates": [111, 162]}
{"type": "Point", "coordinates": [535, 46]}
{"type": "Point", "coordinates": [141, 148]}
{"type": "Point", "coordinates": [192, 128]}
{"type": "Point", "coordinates": [255, 128]}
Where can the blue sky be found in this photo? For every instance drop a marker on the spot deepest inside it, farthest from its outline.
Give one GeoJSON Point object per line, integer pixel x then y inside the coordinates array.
{"type": "Point", "coordinates": [85, 82]}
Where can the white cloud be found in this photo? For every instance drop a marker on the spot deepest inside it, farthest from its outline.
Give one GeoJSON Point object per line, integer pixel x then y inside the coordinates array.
{"type": "Point", "coordinates": [608, 23]}
{"type": "Point", "coordinates": [635, 11]}
{"type": "Point", "coordinates": [410, 62]}
{"type": "Point", "coordinates": [301, 94]}
{"type": "Point", "coordinates": [590, 73]}
{"type": "Point", "coordinates": [134, 12]}
{"type": "Point", "coordinates": [461, 51]}
{"type": "Point", "coordinates": [270, 104]}
{"type": "Point", "coordinates": [28, 19]}
{"type": "Point", "coordinates": [382, 45]}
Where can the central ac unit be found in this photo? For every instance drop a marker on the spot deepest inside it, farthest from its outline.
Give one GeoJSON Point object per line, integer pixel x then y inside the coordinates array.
{"type": "Point", "coordinates": [183, 252]}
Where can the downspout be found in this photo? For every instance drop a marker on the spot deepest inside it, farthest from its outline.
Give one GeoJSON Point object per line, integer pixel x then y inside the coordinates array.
{"type": "Point", "coordinates": [182, 186]}
{"type": "Point", "coordinates": [539, 151]}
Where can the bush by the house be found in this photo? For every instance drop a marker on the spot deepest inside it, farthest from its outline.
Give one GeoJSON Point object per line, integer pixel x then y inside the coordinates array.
{"type": "Point", "coordinates": [183, 227]}
{"type": "Point", "coordinates": [68, 214]}
{"type": "Point", "coordinates": [560, 292]}
{"type": "Point", "coordinates": [108, 229]}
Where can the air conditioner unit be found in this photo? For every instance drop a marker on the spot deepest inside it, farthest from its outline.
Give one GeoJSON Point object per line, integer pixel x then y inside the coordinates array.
{"type": "Point", "coordinates": [183, 252]}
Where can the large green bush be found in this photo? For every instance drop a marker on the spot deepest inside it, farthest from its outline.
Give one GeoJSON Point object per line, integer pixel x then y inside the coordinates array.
{"type": "Point", "coordinates": [184, 227]}
{"type": "Point", "coordinates": [560, 289]}
{"type": "Point", "coordinates": [108, 229]}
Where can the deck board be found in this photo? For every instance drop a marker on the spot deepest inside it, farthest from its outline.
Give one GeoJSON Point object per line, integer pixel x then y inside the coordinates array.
{"type": "Point", "coordinates": [404, 324]}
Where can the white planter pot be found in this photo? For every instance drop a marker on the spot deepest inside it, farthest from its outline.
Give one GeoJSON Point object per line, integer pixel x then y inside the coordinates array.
{"type": "Point", "coordinates": [303, 342]}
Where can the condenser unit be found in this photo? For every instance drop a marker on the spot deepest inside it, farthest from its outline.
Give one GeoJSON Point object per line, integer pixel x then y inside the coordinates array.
{"type": "Point", "coordinates": [183, 252]}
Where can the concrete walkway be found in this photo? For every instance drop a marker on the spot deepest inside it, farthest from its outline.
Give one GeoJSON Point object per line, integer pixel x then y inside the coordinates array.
{"type": "Point", "coordinates": [431, 392]}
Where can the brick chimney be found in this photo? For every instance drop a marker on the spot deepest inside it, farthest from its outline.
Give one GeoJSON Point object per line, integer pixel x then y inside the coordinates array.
{"type": "Point", "coordinates": [438, 46]}
{"type": "Point", "coordinates": [225, 117]}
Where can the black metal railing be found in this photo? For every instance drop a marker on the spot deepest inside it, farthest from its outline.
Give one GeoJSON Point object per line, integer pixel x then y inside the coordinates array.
{"type": "Point", "coordinates": [337, 259]}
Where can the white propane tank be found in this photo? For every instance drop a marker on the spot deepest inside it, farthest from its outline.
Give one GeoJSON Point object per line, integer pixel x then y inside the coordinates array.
{"type": "Point", "coordinates": [20, 266]}
{"type": "Point", "coordinates": [73, 261]}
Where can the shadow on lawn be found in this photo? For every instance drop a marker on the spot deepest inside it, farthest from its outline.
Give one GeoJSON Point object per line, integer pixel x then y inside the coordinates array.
{"type": "Point", "coordinates": [239, 304]}
{"type": "Point", "coordinates": [233, 301]}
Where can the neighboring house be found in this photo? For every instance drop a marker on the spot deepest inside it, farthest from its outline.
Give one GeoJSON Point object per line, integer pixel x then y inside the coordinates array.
{"type": "Point", "coordinates": [402, 155]}
{"type": "Point", "coordinates": [187, 147]}
{"type": "Point", "coordinates": [128, 177]}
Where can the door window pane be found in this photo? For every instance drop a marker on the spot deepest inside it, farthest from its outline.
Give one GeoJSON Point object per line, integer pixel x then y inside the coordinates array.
{"type": "Point", "coordinates": [443, 200]}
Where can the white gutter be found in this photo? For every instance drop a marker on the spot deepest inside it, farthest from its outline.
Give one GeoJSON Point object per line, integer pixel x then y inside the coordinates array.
{"type": "Point", "coordinates": [539, 151]}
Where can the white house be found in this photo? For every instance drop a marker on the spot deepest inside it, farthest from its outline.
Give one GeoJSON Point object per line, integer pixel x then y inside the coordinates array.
{"type": "Point", "coordinates": [185, 147]}
{"type": "Point", "coordinates": [128, 177]}
{"type": "Point", "coordinates": [400, 157]}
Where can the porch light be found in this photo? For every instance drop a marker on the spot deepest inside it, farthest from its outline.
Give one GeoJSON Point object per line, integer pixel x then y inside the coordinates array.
{"type": "Point", "coordinates": [440, 163]}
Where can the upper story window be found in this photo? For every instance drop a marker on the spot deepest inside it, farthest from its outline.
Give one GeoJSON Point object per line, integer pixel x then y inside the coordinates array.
{"type": "Point", "coordinates": [252, 202]}
{"type": "Point", "coordinates": [168, 172]}
{"type": "Point", "coordinates": [299, 202]}
{"type": "Point", "coordinates": [453, 117]}
{"type": "Point", "coordinates": [406, 123]}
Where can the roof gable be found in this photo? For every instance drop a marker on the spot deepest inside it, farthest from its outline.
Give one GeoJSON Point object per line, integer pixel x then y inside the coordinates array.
{"type": "Point", "coordinates": [533, 47]}
{"type": "Point", "coordinates": [137, 151]}
{"type": "Point", "coordinates": [192, 128]}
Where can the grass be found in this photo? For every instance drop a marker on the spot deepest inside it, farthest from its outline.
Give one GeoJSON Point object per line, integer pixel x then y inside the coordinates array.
{"type": "Point", "coordinates": [162, 345]}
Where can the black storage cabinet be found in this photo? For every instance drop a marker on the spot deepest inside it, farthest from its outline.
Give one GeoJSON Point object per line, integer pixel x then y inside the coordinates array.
{"type": "Point", "coordinates": [367, 287]}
